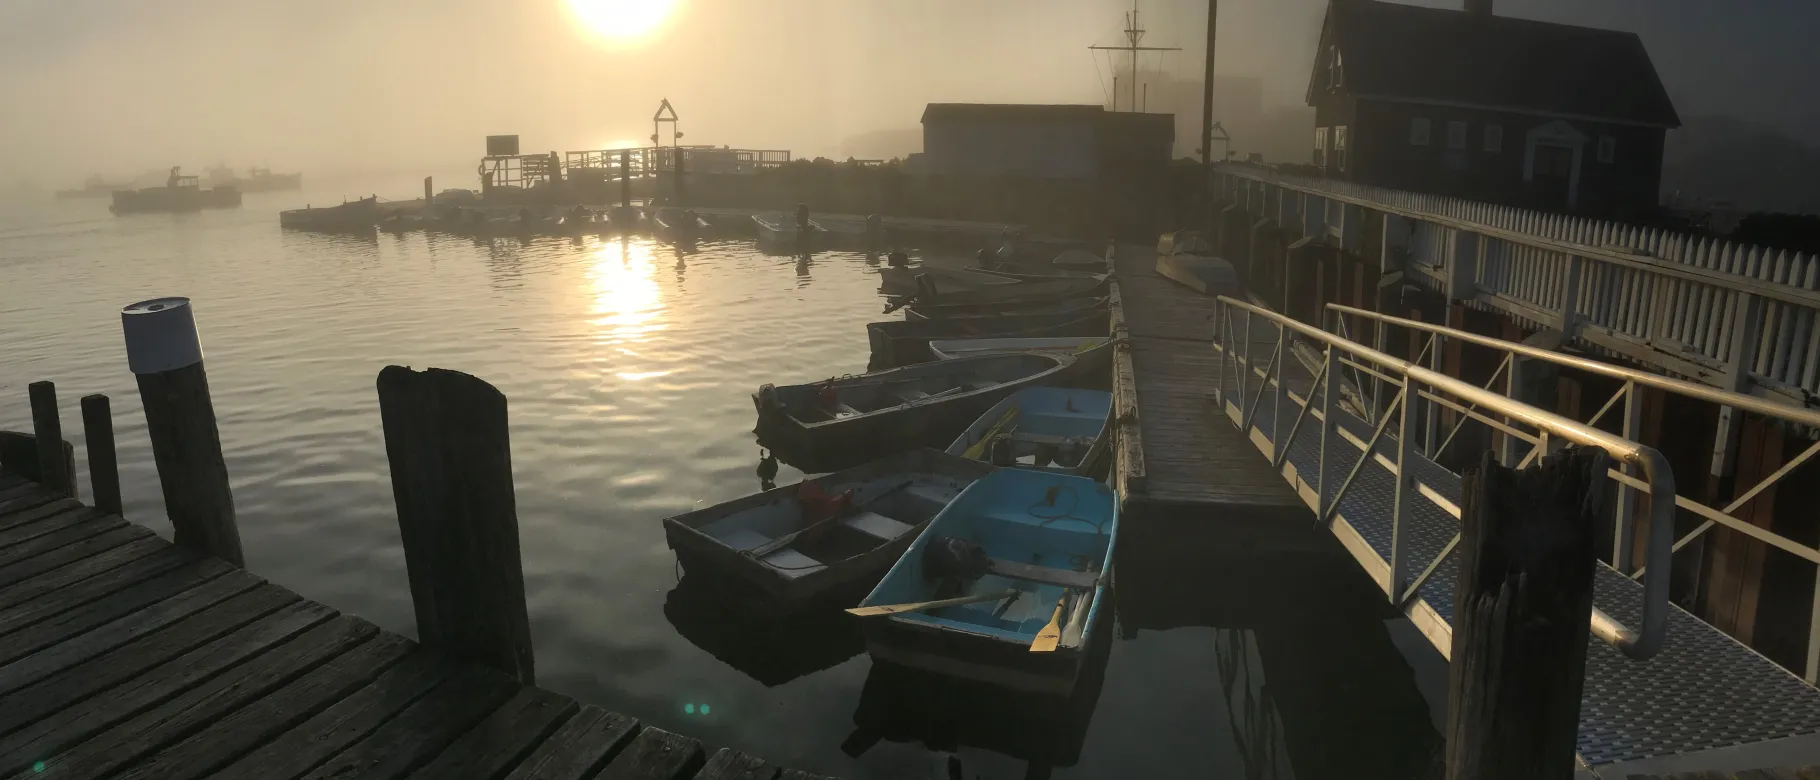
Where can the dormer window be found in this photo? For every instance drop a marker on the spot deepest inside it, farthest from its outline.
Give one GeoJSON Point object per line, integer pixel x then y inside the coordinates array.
{"type": "Point", "coordinates": [1336, 70]}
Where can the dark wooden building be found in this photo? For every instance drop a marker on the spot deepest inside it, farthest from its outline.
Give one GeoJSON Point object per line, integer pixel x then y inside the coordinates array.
{"type": "Point", "coordinates": [1474, 105]}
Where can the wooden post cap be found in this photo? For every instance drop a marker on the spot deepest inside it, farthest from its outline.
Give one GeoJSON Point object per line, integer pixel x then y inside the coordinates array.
{"type": "Point", "coordinates": [160, 335]}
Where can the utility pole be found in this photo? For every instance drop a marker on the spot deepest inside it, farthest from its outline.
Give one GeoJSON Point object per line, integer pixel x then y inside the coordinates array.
{"type": "Point", "coordinates": [1213, 26]}
{"type": "Point", "coordinates": [1133, 35]}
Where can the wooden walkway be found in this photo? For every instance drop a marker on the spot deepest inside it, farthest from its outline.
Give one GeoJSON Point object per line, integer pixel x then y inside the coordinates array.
{"type": "Point", "coordinates": [124, 656]}
{"type": "Point", "coordinates": [1183, 468]}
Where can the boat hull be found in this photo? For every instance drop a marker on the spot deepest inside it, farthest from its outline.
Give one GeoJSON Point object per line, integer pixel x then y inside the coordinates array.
{"type": "Point", "coordinates": [170, 199]}
{"type": "Point", "coordinates": [903, 343]}
{"type": "Point", "coordinates": [756, 588]}
{"type": "Point", "coordinates": [1205, 275]}
{"type": "Point", "coordinates": [1076, 306]}
{"type": "Point", "coordinates": [1082, 418]}
{"type": "Point", "coordinates": [949, 349]}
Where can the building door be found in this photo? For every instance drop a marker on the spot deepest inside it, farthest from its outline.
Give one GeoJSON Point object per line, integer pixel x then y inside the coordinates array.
{"type": "Point", "coordinates": [1554, 175]}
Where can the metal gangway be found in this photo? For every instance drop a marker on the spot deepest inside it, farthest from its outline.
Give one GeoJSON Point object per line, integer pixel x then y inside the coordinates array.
{"type": "Point", "coordinates": [1357, 433]}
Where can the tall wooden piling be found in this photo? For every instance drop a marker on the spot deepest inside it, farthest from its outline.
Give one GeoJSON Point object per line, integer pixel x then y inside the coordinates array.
{"type": "Point", "coordinates": [165, 355]}
{"type": "Point", "coordinates": [103, 467]}
{"type": "Point", "coordinates": [54, 471]}
{"type": "Point", "coordinates": [1522, 606]}
{"type": "Point", "coordinates": [625, 178]}
{"type": "Point", "coordinates": [451, 461]}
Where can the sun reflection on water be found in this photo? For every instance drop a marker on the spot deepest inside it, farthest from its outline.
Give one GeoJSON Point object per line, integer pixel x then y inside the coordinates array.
{"type": "Point", "coordinates": [627, 306]}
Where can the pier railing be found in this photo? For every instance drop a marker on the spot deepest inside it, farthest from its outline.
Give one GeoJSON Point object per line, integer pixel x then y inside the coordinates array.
{"type": "Point", "coordinates": [1265, 370]}
{"type": "Point", "coordinates": [1516, 359]}
{"type": "Point", "coordinates": [1732, 316]}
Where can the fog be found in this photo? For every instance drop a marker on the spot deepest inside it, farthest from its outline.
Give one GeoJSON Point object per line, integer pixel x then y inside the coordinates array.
{"type": "Point", "coordinates": [335, 87]}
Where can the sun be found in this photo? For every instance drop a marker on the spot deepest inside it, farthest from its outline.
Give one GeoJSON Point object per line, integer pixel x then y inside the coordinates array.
{"type": "Point", "coordinates": [621, 20]}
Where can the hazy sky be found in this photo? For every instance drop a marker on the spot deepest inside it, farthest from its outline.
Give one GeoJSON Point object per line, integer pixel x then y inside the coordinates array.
{"type": "Point", "coordinates": [121, 86]}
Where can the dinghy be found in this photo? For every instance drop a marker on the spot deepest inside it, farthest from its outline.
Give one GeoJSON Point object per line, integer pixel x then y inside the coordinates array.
{"type": "Point", "coordinates": [1045, 428]}
{"type": "Point", "coordinates": [958, 310]}
{"type": "Point", "coordinates": [823, 541]}
{"type": "Point", "coordinates": [902, 342]}
{"type": "Point", "coordinates": [948, 349]}
{"type": "Point", "coordinates": [1021, 557]}
{"type": "Point", "coordinates": [850, 419]}
{"type": "Point", "coordinates": [902, 281]}
{"type": "Point", "coordinates": [679, 224]}
{"type": "Point", "coordinates": [780, 230]}
{"type": "Point", "coordinates": [1046, 290]}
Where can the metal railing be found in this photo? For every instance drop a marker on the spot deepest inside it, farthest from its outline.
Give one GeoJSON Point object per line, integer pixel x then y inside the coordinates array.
{"type": "Point", "coordinates": [1511, 369]}
{"type": "Point", "coordinates": [1414, 384]}
{"type": "Point", "coordinates": [1734, 316]}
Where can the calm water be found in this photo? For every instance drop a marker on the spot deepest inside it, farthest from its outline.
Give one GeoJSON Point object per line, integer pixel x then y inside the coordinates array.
{"type": "Point", "coordinates": [628, 368]}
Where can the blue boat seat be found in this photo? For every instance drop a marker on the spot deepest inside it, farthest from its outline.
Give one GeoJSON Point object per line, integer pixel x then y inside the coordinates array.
{"type": "Point", "coordinates": [876, 525]}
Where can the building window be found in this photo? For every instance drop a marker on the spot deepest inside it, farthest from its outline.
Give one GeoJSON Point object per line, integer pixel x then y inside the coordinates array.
{"type": "Point", "coordinates": [1418, 131]}
{"type": "Point", "coordinates": [1336, 70]}
{"type": "Point", "coordinates": [1339, 147]}
{"type": "Point", "coordinates": [1320, 147]}
{"type": "Point", "coordinates": [1494, 138]}
{"type": "Point", "coordinates": [1456, 135]}
{"type": "Point", "coordinates": [1608, 148]}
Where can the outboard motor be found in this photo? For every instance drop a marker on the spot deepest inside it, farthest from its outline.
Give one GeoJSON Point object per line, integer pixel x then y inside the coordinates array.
{"type": "Point", "coordinates": [897, 260]}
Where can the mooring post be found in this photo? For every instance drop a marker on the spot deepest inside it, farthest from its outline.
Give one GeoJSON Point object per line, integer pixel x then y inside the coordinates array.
{"type": "Point", "coordinates": [103, 467]}
{"type": "Point", "coordinates": [1522, 606]}
{"type": "Point", "coordinates": [54, 470]}
{"type": "Point", "coordinates": [451, 461]}
{"type": "Point", "coordinates": [625, 178]}
{"type": "Point", "coordinates": [165, 355]}
{"type": "Point", "coordinates": [429, 196]}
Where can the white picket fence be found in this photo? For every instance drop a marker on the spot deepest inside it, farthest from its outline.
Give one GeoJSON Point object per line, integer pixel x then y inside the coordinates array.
{"type": "Point", "coordinates": [1731, 315]}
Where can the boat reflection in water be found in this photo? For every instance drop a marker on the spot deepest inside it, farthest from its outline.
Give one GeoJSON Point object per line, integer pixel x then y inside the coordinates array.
{"type": "Point", "coordinates": [771, 651]}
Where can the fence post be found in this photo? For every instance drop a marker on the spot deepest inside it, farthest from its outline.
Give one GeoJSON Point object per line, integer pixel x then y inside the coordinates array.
{"type": "Point", "coordinates": [1522, 606]}
{"type": "Point", "coordinates": [103, 467]}
{"type": "Point", "coordinates": [451, 461]}
{"type": "Point", "coordinates": [54, 470]}
{"type": "Point", "coordinates": [165, 356]}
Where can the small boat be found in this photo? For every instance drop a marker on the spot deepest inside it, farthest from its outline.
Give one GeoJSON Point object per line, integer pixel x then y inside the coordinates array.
{"type": "Point", "coordinates": [948, 349]}
{"type": "Point", "coordinates": [823, 541]}
{"type": "Point", "coordinates": [780, 229]}
{"type": "Point", "coordinates": [1045, 428]}
{"type": "Point", "coordinates": [955, 310]}
{"type": "Point", "coordinates": [678, 224]}
{"type": "Point", "coordinates": [1048, 290]}
{"type": "Point", "coordinates": [1030, 551]}
{"type": "Point", "coordinates": [355, 216]}
{"type": "Point", "coordinates": [1205, 275]}
{"type": "Point", "coordinates": [903, 280]}
{"type": "Point", "coordinates": [902, 342]}
{"type": "Point", "coordinates": [854, 418]}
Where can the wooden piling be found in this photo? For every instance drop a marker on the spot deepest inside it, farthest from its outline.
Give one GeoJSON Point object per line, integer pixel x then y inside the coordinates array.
{"type": "Point", "coordinates": [165, 355]}
{"type": "Point", "coordinates": [625, 178]}
{"type": "Point", "coordinates": [54, 472]}
{"type": "Point", "coordinates": [103, 467]}
{"type": "Point", "coordinates": [1522, 606]}
{"type": "Point", "coordinates": [446, 439]}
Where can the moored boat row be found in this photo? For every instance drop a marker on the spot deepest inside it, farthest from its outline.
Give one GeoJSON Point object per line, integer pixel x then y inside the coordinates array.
{"type": "Point", "coordinates": [962, 515]}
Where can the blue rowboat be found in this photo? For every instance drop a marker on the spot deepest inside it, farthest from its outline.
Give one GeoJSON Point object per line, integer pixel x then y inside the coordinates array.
{"type": "Point", "coordinates": [1047, 541]}
{"type": "Point", "coordinates": [1046, 428]}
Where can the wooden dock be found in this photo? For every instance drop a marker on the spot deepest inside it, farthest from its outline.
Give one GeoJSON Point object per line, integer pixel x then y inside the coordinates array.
{"type": "Point", "coordinates": [1183, 470]}
{"type": "Point", "coordinates": [122, 655]}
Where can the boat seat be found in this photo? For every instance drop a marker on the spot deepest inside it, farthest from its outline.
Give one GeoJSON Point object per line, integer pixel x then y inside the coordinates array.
{"type": "Point", "coordinates": [793, 564]}
{"type": "Point", "coordinates": [743, 539]}
{"type": "Point", "coordinates": [912, 395]}
{"type": "Point", "coordinates": [843, 410]}
{"type": "Point", "coordinates": [1046, 575]}
{"type": "Point", "coordinates": [876, 525]}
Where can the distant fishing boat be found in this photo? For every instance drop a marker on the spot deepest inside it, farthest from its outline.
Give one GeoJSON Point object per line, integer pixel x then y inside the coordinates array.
{"type": "Point", "coordinates": [179, 193]}
{"type": "Point", "coordinates": [903, 342]}
{"type": "Point", "coordinates": [859, 417]}
{"type": "Point", "coordinates": [1021, 559]}
{"type": "Point", "coordinates": [1045, 428]}
{"type": "Point", "coordinates": [354, 216]}
{"type": "Point", "coordinates": [940, 311]}
{"type": "Point", "coordinates": [677, 224]}
{"type": "Point", "coordinates": [948, 349]}
{"type": "Point", "coordinates": [780, 229]}
{"type": "Point", "coordinates": [256, 180]}
{"type": "Point", "coordinates": [823, 541]}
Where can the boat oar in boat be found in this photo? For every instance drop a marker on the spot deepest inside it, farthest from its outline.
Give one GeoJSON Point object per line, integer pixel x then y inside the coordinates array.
{"type": "Point", "coordinates": [918, 606]}
{"type": "Point", "coordinates": [1051, 635]}
{"type": "Point", "coordinates": [978, 448]}
{"type": "Point", "coordinates": [790, 538]}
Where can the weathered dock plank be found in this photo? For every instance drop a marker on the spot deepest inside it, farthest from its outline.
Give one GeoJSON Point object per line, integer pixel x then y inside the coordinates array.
{"type": "Point", "coordinates": [124, 656]}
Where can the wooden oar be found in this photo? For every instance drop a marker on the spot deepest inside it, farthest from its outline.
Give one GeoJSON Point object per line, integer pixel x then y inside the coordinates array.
{"type": "Point", "coordinates": [892, 609]}
{"type": "Point", "coordinates": [790, 538]}
{"type": "Point", "coordinates": [1051, 635]}
{"type": "Point", "coordinates": [978, 448]}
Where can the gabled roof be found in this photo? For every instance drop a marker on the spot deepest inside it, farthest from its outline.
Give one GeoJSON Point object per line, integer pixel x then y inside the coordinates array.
{"type": "Point", "coordinates": [1390, 50]}
{"type": "Point", "coordinates": [1009, 112]}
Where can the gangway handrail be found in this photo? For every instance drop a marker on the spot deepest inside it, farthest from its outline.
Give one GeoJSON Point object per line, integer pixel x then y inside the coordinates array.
{"type": "Point", "coordinates": [1640, 644]}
